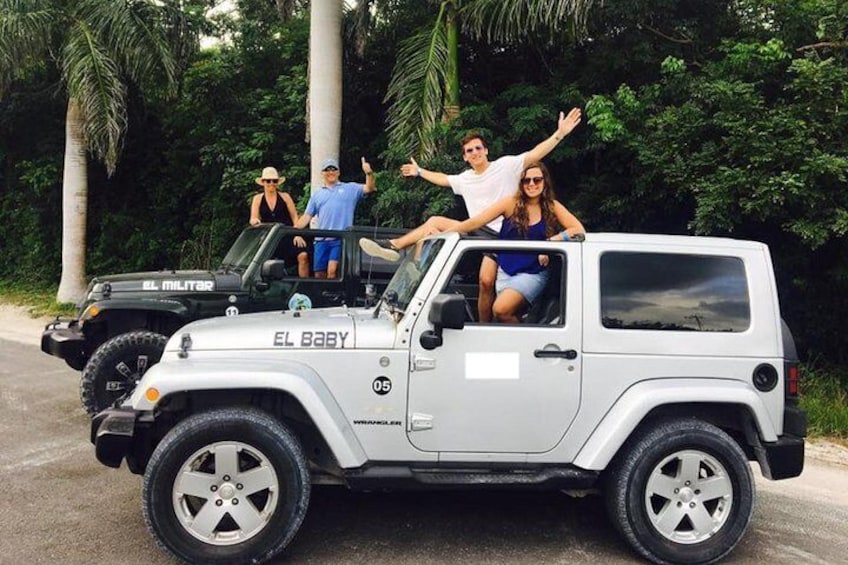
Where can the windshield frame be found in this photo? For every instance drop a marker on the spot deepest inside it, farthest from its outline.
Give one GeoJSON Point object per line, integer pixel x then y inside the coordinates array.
{"type": "Point", "coordinates": [416, 264]}
{"type": "Point", "coordinates": [243, 251]}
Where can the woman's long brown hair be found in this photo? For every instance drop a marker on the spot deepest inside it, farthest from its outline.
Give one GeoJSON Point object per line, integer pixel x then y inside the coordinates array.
{"type": "Point", "coordinates": [520, 217]}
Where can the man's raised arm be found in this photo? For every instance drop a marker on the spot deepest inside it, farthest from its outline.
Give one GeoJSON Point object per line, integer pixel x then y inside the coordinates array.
{"type": "Point", "coordinates": [413, 169]}
{"type": "Point", "coordinates": [565, 125]}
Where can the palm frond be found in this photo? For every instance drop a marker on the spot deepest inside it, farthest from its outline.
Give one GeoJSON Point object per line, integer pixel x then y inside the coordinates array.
{"type": "Point", "coordinates": [132, 32]}
{"type": "Point", "coordinates": [417, 90]}
{"type": "Point", "coordinates": [94, 80]}
{"type": "Point", "coordinates": [510, 20]}
{"type": "Point", "coordinates": [25, 29]}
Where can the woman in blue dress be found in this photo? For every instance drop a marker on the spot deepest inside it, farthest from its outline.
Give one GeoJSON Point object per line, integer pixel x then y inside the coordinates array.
{"type": "Point", "coordinates": [533, 213]}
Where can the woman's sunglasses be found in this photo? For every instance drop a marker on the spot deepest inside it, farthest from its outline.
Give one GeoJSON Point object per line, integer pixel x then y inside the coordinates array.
{"type": "Point", "coordinates": [535, 180]}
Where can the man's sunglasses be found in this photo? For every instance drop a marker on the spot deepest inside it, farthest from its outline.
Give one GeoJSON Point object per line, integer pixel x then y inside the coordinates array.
{"type": "Point", "coordinates": [271, 181]}
{"type": "Point", "coordinates": [331, 169]}
{"type": "Point", "coordinates": [473, 149]}
{"type": "Point", "coordinates": [535, 180]}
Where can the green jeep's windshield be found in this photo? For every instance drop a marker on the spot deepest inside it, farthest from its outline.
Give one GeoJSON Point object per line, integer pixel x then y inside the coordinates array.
{"type": "Point", "coordinates": [415, 265]}
{"type": "Point", "coordinates": [244, 249]}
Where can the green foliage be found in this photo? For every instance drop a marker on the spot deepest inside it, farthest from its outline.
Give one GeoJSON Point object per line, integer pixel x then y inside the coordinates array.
{"type": "Point", "coordinates": [824, 396]}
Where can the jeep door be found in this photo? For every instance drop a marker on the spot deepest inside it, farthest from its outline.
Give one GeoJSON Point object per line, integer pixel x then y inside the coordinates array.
{"type": "Point", "coordinates": [499, 388]}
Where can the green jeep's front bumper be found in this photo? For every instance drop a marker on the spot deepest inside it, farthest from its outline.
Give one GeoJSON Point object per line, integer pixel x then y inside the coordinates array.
{"type": "Point", "coordinates": [64, 339]}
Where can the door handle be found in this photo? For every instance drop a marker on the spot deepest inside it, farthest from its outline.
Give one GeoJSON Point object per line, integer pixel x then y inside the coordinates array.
{"type": "Point", "coordinates": [555, 353]}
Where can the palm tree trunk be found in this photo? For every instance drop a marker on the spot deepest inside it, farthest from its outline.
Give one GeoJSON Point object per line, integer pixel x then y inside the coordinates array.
{"type": "Point", "coordinates": [74, 207]}
{"type": "Point", "coordinates": [325, 83]}
{"type": "Point", "coordinates": [451, 111]}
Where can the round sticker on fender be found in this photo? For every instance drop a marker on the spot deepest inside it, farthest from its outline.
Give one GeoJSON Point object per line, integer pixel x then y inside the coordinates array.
{"type": "Point", "coordinates": [381, 385]}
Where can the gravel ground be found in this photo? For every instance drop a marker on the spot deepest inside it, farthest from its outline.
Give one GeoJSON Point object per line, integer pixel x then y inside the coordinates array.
{"type": "Point", "coordinates": [17, 325]}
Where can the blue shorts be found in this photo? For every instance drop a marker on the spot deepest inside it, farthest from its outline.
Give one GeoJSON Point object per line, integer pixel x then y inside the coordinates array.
{"type": "Point", "coordinates": [326, 250]}
{"type": "Point", "coordinates": [529, 285]}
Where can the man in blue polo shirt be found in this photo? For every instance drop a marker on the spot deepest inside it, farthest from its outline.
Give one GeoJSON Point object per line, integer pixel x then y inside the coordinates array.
{"type": "Point", "coordinates": [334, 205]}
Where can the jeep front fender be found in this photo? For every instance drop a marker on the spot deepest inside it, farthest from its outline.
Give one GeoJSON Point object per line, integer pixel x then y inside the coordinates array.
{"type": "Point", "coordinates": [295, 379]}
{"type": "Point", "coordinates": [115, 306]}
{"type": "Point", "coordinates": [637, 401]}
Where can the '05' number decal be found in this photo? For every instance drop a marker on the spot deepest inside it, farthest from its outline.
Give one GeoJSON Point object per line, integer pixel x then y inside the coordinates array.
{"type": "Point", "coordinates": [381, 385]}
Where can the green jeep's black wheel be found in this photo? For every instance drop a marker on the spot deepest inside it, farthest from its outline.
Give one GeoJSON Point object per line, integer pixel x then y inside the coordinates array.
{"type": "Point", "coordinates": [227, 486]}
{"type": "Point", "coordinates": [116, 366]}
{"type": "Point", "coordinates": [681, 491]}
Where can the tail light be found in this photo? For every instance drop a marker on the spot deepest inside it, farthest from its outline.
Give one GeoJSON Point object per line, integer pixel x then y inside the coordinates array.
{"type": "Point", "coordinates": [792, 374]}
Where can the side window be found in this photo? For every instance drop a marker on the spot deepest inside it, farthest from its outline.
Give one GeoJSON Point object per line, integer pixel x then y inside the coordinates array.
{"type": "Point", "coordinates": [675, 292]}
{"type": "Point", "coordinates": [547, 307]}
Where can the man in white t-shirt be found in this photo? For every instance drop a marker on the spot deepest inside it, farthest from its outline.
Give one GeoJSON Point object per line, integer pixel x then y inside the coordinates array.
{"type": "Point", "coordinates": [480, 186]}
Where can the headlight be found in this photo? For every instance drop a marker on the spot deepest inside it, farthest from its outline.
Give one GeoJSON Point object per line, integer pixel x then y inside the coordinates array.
{"type": "Point", "coordinates": [91, 312]}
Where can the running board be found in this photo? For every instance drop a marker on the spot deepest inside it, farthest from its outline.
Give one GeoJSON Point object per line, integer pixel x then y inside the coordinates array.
{"type": "Point", "coordinates": [379, 477]}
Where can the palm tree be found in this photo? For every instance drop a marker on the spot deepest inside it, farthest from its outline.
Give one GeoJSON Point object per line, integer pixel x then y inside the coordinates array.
{"type": "Point", "coordinates": [424, 88]}
{"type": "Point", "coordinates": [325, 83]}
{"type": "Point", "coordinates": [99, 45]}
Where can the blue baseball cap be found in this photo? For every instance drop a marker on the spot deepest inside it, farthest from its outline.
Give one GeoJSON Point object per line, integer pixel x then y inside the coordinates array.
{"type": "Point", "coordinates": [329, 163]}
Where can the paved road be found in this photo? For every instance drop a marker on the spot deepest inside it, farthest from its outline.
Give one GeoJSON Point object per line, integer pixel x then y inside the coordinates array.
{"type": "Point", "coordinates": [60, 505]}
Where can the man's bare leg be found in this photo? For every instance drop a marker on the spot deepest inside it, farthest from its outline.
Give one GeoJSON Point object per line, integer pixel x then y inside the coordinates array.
{"type": "Point", "coordinates": [388, 249]}
{"type": "Point", "coordinates": [486, 291]}
{"type": "Point", "coordinates": [434, 224]}
{"type": "Point", "coordinates": [333, 269]}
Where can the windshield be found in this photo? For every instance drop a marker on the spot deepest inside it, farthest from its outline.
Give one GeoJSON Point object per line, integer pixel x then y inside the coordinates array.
{"type": "Point", "coordinates": [244, 249]}
{"type": "Point", "coordinates": [408, 276]}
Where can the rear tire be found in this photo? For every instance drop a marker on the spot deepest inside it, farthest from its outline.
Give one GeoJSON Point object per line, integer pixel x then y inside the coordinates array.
{"type": "Point", "coordinates": [681, 491]}
{"type": "Point", "coordinates": [116, 367]}
{"type": "Point", "coordinates": [226, 486]}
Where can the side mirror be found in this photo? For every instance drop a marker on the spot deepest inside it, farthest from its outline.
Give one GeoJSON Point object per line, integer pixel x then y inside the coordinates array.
{"type": "Point", "coordinates": [446, 311]}
{"type": "Point", "coordinates": [273, 270]}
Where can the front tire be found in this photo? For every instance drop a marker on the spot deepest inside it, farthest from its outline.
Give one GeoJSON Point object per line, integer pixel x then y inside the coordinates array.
{"type": "Point", "coordinates": [681, 492]}
{"type": "Point", "coordinates": [226, 486]}
{"type": "Point", "coordinates": [116, 366]}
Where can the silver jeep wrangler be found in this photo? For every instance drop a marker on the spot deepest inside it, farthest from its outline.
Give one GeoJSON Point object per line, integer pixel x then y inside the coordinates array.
{"type": "Point", "coordinates": [652, 368]}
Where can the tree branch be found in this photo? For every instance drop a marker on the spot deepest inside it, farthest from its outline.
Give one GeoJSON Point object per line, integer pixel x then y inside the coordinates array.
{"type": "Point", "coordinates": [684, 41]}
{"type": "Point", "coordinates": [823, 45]}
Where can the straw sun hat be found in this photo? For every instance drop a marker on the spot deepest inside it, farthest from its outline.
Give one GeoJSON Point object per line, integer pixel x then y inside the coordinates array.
{"type": "Point", "coordinates": [270, 173]}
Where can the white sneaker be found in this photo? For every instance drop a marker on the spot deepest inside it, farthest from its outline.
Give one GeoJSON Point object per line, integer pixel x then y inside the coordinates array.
{"type": "Point", "coordinates": [381, 248]}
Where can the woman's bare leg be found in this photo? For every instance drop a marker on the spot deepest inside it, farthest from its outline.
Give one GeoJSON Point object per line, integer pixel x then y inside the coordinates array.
{"type": "Point", "coordinates": [507, 305]}
{"type": "Point", "coordinates": [486, 290]}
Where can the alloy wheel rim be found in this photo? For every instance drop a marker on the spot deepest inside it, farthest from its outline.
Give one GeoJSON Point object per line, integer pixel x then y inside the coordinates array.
{"type": "Point", "coordinates": [688, 496]}
{"type": "Point", "coordinates": [225, 493]}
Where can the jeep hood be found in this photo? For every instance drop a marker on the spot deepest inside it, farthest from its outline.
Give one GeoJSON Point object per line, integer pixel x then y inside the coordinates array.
{"type": "Point", "coordinates": [165, 282]}
{"type": "Point", "coordinates": [325, 328]}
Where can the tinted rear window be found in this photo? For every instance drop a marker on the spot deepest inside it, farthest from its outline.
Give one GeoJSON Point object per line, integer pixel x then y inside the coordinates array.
{"type": "Point", "coordinates": [676, 292]}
